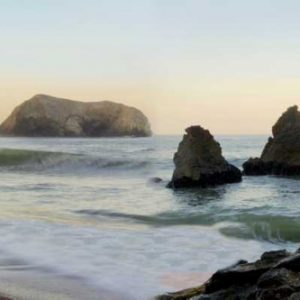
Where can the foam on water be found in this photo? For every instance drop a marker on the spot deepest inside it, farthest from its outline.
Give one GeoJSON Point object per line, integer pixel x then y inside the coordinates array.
{"type": "Point", "coordinates": [135, 263]}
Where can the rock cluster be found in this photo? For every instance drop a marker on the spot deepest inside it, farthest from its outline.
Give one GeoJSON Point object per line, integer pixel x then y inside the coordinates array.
{"type": "Point", "coordinates": [49, 116]}
{"type": "Point", "coordinates": [199, 162]}
{"type": "Point", "coordinates": [281, 155]}
{"type": "Point", "coordinates": [276, 275]}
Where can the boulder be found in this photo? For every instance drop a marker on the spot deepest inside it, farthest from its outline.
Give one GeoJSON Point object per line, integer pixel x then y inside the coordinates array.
{"type": "Point", "coordinates": [281, 155]}
{"type": "Point", "coordinates": [49, 116]}
{"type": "Point", "coordinates": [273, 276]}
{"type": "Point", "coordinates": [199, 162]}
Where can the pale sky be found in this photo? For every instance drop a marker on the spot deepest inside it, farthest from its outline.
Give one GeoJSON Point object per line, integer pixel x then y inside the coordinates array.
{"type": "Point", "coordinates": [232, 66]}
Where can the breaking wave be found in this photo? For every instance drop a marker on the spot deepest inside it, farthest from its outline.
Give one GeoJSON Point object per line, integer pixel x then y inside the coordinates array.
{"type": "Point", "coordinates": [31, 160]}
{"type": "Point", "coordinates": [244, 226]}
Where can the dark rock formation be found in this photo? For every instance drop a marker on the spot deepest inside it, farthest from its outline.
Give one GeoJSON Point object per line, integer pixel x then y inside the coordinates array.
{"type": "Point", "coordinates": [276, 275]}
{"type": "Point", "coordinates": [49, 116]}
{"type": "Point", "coordinates": [156, 180]}
{"type": "Point", "coordinates": [281, 155]}
{"type": "Point", "coordinates": [199, 162]}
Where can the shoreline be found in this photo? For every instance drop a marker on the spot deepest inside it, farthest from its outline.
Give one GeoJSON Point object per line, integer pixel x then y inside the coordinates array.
{"type": "Point", "coordinates": [274, 275]}
{"type": "Point", "coordinates": [33, 284]}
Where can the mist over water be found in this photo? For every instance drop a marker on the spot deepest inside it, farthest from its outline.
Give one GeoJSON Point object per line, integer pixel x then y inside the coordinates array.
{"type": "Point", "coordinates": [90, 208]}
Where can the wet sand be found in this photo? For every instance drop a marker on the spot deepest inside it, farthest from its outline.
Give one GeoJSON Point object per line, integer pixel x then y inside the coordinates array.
{"type": "Point", "coordinates": [26, 284]}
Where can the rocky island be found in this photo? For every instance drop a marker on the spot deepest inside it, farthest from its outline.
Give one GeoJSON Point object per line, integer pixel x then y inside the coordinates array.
{"type": "Point", "coordinates": [47, 116]}
{"type": "Point", "coordinates": [281, 155]}
{"type": "Point", "coordinates": [199, 162]}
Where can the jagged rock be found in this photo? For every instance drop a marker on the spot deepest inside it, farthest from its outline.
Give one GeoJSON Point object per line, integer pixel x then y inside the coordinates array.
{"type": "Point", "coordinates": [273, 276]}
{"type": "Point", "coordinates": [49, 116]}
{"type": "Point", "coordinates": [199, 162]}
{"type": "Point", "coordinates": [281, 155]}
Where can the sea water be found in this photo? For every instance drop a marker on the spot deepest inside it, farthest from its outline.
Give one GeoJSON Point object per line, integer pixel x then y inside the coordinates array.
{"type": "Point", "coordinates": [91, 208]}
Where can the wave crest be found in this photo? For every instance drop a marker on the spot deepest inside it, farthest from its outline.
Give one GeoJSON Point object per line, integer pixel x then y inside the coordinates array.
{"type": "Point", "coordinates": [31, 160]}
{"type": "Point", "coordinates": [245, 226]}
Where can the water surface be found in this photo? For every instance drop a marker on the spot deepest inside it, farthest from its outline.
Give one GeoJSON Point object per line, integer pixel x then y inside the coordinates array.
{"type": "Point", "coordinates": [90, 208]}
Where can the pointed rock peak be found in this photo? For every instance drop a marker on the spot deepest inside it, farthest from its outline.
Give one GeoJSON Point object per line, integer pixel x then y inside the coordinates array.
{"type": "Point", "coordinates": [293, 108]}
{"type": "Point", "coordinates": [199, 162]}
{"type": "Point", "coordinates": [291, 111]}
{"type": "Point", "coordinates": [289, 119]}
{"type": "Point", "coordinates": [198, 132]}
{"type": "Point", "coordinates": [281, 155]}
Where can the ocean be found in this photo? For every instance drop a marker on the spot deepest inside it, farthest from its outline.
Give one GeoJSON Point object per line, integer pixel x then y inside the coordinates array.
{"type": "Point", "coordinates": [91, 209]}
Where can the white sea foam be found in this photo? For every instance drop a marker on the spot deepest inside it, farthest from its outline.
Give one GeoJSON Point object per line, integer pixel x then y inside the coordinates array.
{"type": "Point", "coordinates": [135, 263]}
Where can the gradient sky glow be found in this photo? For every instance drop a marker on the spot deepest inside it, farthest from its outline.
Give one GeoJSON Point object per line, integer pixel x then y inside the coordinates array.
{"type": "Point", "coordinates": [232, 66]}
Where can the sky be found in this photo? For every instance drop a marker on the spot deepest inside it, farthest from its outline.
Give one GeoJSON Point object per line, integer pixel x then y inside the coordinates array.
{"type": "Point", "coordinates": [231, 66]}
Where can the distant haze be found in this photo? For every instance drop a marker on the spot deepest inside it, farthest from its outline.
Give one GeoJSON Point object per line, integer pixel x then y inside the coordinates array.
{"type": "Point", "coordinates": [232, 66]}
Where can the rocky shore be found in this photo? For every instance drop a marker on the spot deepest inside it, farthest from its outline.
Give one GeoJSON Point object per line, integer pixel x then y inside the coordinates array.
{"type": "Point", "coordinates": [276, 275]}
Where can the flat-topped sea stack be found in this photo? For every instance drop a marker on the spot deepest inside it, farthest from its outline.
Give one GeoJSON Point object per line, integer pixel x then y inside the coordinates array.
{"type": "Point", "coordinates": [199, 162]}
{"type": "Point", "coordinates": [281, 155]}
{"type": "Point", "coordinates": [49, 116]}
